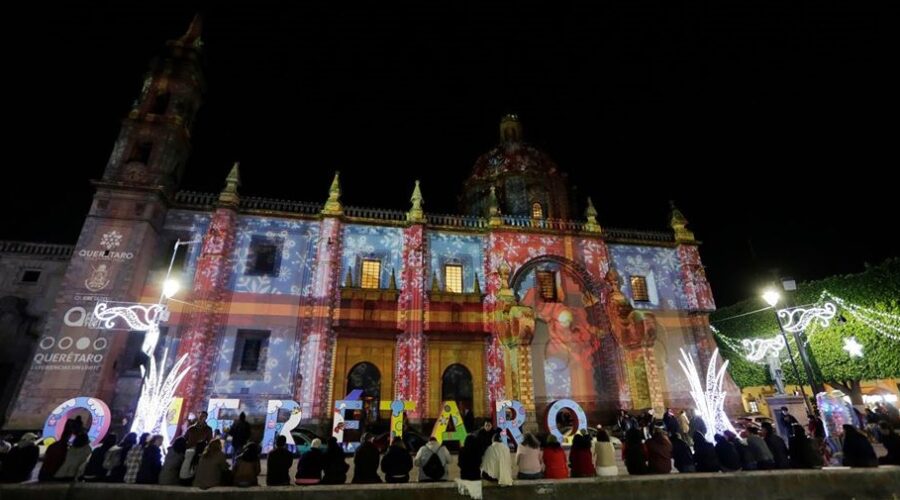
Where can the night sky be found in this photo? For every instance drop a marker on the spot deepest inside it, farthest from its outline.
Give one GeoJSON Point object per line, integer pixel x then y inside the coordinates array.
{"type": "Point", "coordinates": [771, 123]}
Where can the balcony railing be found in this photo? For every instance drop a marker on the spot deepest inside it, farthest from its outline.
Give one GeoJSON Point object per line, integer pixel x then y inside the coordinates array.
{"type": "Point", "coordinates": [40, 249]}
{"type": "Point", "coordinates": [191, 199]}
{"type": "Point", "coordinates": [546, 224]}
{"type": "Point", "coordinates": [375, 213]}
{"type": "Point", "coordinates": [463, 221]}
{"type": "Point", "coordinates": [206, 201]}
{"type": "Point", "coordinates": [297, 207]}
{"type": "Point", "coordinates": [638, 235]}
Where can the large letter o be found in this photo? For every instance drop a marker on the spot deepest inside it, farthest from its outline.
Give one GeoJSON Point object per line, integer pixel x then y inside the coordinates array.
{"type": "Point", "coordinates": [100, 418]}
{"type": "Point", "coordinates": [555, 408]}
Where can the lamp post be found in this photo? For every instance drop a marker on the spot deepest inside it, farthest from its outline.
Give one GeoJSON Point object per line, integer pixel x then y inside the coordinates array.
{"type": "Point", "coordinates": [772, 297]}
{"type": "Point", "coordinates": [159, 385]}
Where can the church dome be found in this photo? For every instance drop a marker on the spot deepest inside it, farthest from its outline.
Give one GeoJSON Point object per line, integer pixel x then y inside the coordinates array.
{"type": "Point", "coordinates": [526, 180]}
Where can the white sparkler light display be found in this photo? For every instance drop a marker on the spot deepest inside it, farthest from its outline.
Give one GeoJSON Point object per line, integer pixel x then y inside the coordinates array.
{"type": "Point", "coordinates": [157, 394]}
{"type": "Point", "coordinates": [760, 349]}
{"type": "Point", "coordinates": [159, 385]}
{"type": "Point", "coordinates": [711, 400]}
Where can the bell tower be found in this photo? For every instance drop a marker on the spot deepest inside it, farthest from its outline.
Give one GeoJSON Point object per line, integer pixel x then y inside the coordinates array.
{"type": "Point", "coordinates": [118, 245]}
{"type": "Point", "coordinates": [155, 140]}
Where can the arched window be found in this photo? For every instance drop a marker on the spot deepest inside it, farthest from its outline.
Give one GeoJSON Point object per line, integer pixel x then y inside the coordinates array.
{"type": "Point", "coordinates": [537, 211]}
{"type": "Point", "coordinates": [456, 385]}
{"type": "Point", "coordinates": [366, 377]}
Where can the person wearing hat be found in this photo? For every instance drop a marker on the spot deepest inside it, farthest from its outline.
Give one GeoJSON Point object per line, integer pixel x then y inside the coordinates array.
{"type": "Point", "coordinates": [20, 461]}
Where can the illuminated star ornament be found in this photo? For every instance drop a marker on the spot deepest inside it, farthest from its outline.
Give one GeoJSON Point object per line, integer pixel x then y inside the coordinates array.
{"type": "Point", "coordinates": [853, 348]}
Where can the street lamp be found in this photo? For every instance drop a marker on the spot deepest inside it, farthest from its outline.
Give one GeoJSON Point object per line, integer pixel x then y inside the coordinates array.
{"type": "Point", "coordinates": [171, 286]}
{"type": "Point", "coordinates": [772, 297]}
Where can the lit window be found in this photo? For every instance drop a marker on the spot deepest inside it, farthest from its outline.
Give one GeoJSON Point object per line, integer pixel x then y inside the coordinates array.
{"type": "Point", "coordinates": [639, 289]}
{"type": "Point", "coordinates": [537, 211]}
{"type": "Point", "coordinates": [547, 284]}
{"type": "Point", "coordinates": [371, 274]}
{"type": "Point", "coordinates": [453, 278]}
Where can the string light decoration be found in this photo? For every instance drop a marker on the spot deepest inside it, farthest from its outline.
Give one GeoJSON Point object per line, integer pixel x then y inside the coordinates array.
{"type": "Point", "coordinates": [885, 324]}
{"type": "Point", "coordinates": [710, 401]}
{"type": "Point", "coordinates": [757, 350]}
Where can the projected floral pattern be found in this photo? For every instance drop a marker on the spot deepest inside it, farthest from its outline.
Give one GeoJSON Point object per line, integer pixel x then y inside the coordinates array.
{"type": "Point", "coordinates": [297, 240]}
{"type": "Point", "coordinates": [454, 248]}
{"type": "Point", "coordinates": [661, 267]}
{"type": "Point", "coordinates": [384, 244]}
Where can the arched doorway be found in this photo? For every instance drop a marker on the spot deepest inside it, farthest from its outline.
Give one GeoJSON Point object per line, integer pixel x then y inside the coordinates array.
{"type": "Point", "coordinates": [366, 377]}
{"type": "Point", "coordinates": [456, 385]}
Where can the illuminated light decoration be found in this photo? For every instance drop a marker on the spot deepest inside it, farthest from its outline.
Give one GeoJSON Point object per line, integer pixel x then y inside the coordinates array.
{"type": "Point", "coordinates": [711, 400]}
{"type": "Point", "coordinates": [507, 426]}
{"type": "Point", "coordinates": [275, 428]}
{"type": "Point", "coordinates": [170, 288]}
{"type": "Point", "coordinates": [100, 419]}
{"type": "Point", "coordinates": [836, 412]}
{"type": "Point", "coordinates": [397, 408]}
{"type": "Point", "coordinates": [759, 349]}
{"type": "Point", "coordinates": [158, 389]}
{"type": "Point", "coordinates": [872, 318]}
{"type": "Point", "coordinates": [351, 402]}
{"type": "Point", "coordinates": [798, 318]}
{"type": "Point", "coordinates": [449, 414]}
{"type": "Point", "coordinates": [580, 417]}
{"type": "Point", "coordinates": [138, 317]}
{"type": "Point", "coordinates": [853, 348]}
{"type": "Point", "coordinates": [157, 395]}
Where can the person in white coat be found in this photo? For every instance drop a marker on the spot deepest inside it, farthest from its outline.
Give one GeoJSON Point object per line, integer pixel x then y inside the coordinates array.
{"type": "Point", "coordinates": [496, 465]}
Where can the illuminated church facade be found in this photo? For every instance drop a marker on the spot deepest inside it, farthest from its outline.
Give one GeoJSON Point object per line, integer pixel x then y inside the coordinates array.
{"type": "Point", "coordinates": [519, 297]}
